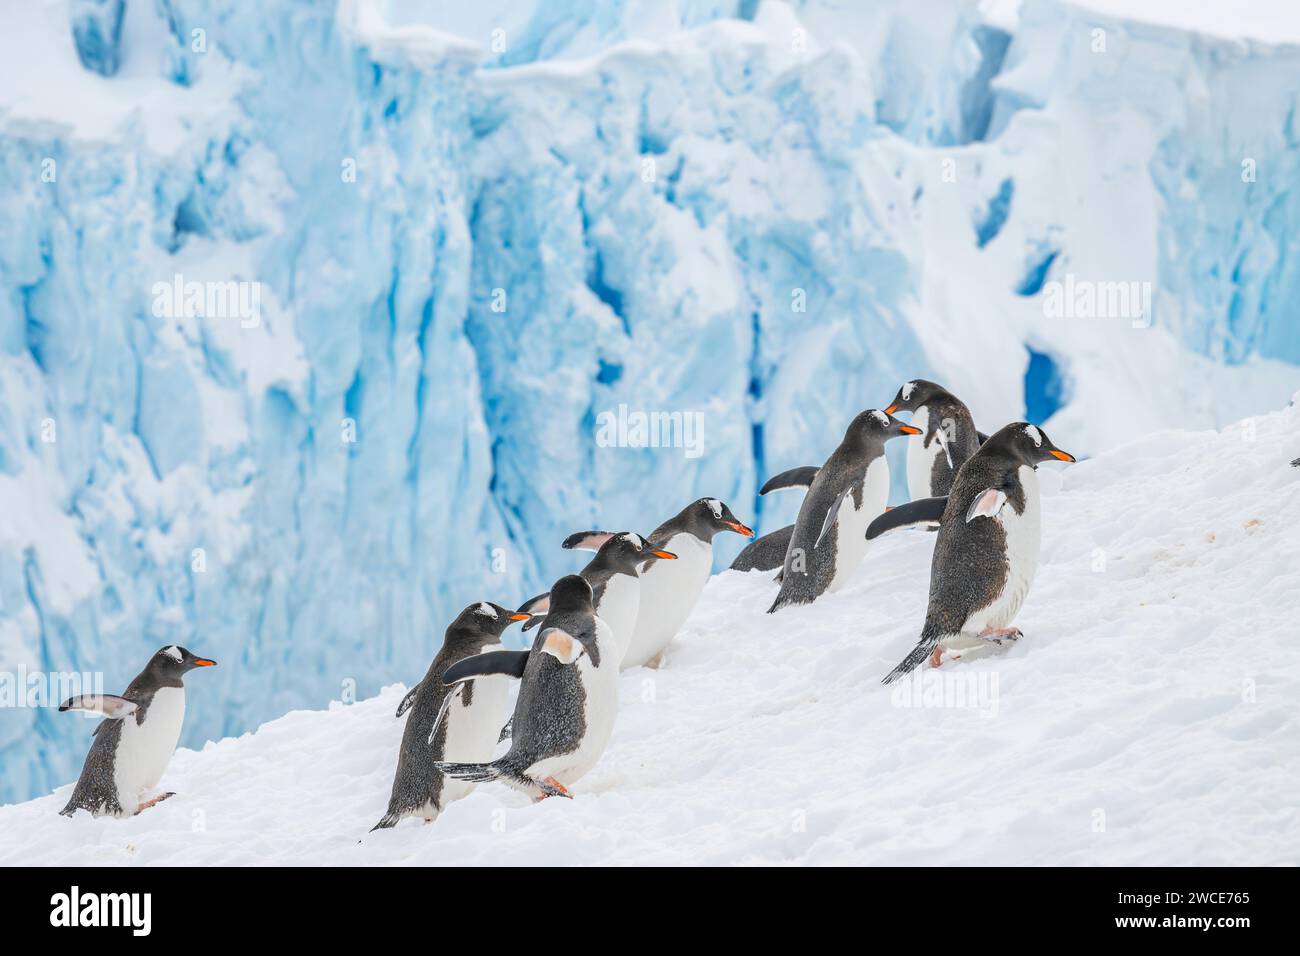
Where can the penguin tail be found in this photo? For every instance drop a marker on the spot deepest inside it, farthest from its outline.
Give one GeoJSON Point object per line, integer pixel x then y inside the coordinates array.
{"type": "Point", "coordinates": [924, 648]}
{"type": "Point", "coordinates": [388, 820]}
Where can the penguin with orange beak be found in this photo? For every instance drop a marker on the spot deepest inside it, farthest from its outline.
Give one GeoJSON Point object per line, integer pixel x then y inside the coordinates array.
{"type": "Point", "coordinates": [828, 541]}
{"type": "Point", "coordinates": [947, 436]}
{"type": "Point", "coordinates": [986, 552]}
{"type": "Point", "coordinates": [615, 578]}
{"type": "Point", "coordinates": [134, 743]}
{"type": "Point", "coordinates": [450, 723]}
{"type": "Point", "coordinates": [671, 588]}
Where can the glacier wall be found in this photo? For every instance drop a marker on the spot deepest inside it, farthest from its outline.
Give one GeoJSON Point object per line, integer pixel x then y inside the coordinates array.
{"type": "Point", "coordinates": [474, 234]}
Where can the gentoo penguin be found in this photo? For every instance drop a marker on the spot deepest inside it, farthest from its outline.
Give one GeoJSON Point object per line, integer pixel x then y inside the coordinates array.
{"type": "Point", "coordinates": [768, 552]}
{"type": "Point", "coordinates": [468, 730]}
{"type": "Point", "coordinates": [135, 742]}
{"type": "Point", "coordinates": [568, 698]}
{"type": "Point", "coordinates": [670, 589]}
{"type": "Point", "coordinates": [948, 437]}
{"type": "Point", "coordinates": [849, 490]}
{"type": "Point", "coordinates": [614, 576]}
{"type": "Point", "coordinates": [987, 550]}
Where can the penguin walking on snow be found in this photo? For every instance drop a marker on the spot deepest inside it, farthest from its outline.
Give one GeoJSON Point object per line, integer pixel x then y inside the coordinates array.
{"type": "Point", "coordinates": [136, 740]}
{"type": "Point", "coordinates": [986, 552]}
{"type": "Point", "coordinates": [615, 578]}
{"type": "Point", "coordinates": [568, 698]}
{"type": "Point", "coordinates": [947, 438]}
{"type": "Point", "coordinates": [670, 589]}
{"type": "Point", "coordinates": [848, 491]}
{"type": "Point", "coordinates": [471, 716]}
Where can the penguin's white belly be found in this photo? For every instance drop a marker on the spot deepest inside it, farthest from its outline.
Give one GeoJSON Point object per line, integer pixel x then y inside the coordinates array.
{"type": "Point", "coordinates": [472, 731]}
{"type": "Point", "coordinates": [669, 592]}
{"type": "Point", "coordinates": [618, 608]}
{"type": "Point", "coordinates": [600, 708]}
{"type": "Point", "coordinates": [1024, 538]}
{"type": "Point", "coordinates": [851, 523]}
{"type": "Point", "coordinates": [920, 459]}
{"type": "Point", "coordinates": [145, 749]}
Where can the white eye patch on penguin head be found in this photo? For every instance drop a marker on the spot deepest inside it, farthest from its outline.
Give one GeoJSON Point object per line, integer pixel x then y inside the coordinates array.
{"type": "Point", "coordinates": [174, 652]}
{"type": "Point", "coordinates": [715, 506]}
{"type": "Point", "coordinates": [1034, 435]}
{"type": "Point", "coordinates": [487, 610]}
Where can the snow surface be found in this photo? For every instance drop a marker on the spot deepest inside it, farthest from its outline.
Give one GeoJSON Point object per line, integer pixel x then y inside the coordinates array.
{"type": "Point", "coordinates": [651, 185]}
{"type": "Point", "coordinates": [1147, 717]}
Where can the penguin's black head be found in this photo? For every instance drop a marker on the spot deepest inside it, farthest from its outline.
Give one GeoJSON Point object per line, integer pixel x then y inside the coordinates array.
{"type": "Point", "coordinates": [174, 660]}
{"type": "Point", "coordinates": [913, 395]}
{"type": "Point", "coordinates": [627, 551]}
{"type": "Point", "coordinates": [485, 617]}
{"type": "Point", "coordinates": [874, 424]}
{"type": "Point", "coordinates": [709, 516]}
{"type": "Point", "coordinates": [1028, 444]}
{"type": "Point", "coordinates": [570, 593]}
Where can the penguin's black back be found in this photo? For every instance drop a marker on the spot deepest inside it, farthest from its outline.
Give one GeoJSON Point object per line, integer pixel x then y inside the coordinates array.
{"type": "Point", "coordinates": [847, 466]}
{"type": "Point", "coordinates": [766, 553]}
{"type": "Point", "coordinates": [969, 568]}
{"type": "Point", "coordinates": [963, 442]}
{"type": "Point", "coordinates": [549, 717]}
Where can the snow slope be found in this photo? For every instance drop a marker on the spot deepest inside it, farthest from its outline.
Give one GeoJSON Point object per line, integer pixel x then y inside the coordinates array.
{"type": "Point", "coordinates": [651, 191]}
{"type": "Point", "coordinates": [1148, 716]}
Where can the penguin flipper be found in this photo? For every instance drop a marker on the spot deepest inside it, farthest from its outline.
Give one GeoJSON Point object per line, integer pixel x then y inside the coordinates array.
{"type": "Point", "coordinates": [987, 504]}
{"type": "Point", "coordinates": [106, 705]}
{"type": "Point", "coordinates": [587, 540]}
{"type": "Point", "coordinates": [801, 477]}
{"type": "Point", "coordinates": [981, 436]}
{"type": "Point", "coordinates": [920, 511]}
{"type": "Point", "coordinates": [507, 663]}
{"type": "Point", "coordinates": [442, 712]}
{"type": "Point", "coordinates": [942, 437]}
{"type": "Point", "coordinates": [536, 605]}
{"type": "Point", "coordinates": [408, 700]}
{"type": "Point", "coordinates": [924, 648]}
{"type": "Point", "coordinates": [831, 515]}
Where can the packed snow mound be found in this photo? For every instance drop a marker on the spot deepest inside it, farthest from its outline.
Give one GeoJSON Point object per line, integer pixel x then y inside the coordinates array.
{"type": "Point", "coordinates": [470, 246]}
{"type": "Point", "coordinates": [1147, 716]}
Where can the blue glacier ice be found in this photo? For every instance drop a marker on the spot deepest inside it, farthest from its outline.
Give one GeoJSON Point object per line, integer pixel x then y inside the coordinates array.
{"type": "Point", "coordinates": [97, 32]}
{"type": "Point", "coordinates": [475, 232]}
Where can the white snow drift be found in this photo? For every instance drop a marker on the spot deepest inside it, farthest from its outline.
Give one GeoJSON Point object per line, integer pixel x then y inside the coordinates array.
{"type": "Point", "coordinates": [1148, 716]}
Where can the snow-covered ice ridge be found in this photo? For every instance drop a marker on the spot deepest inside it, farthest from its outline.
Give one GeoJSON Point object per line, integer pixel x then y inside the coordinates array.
{"type": "Point", "coordinates": [1147, 717]}
{"type": "Point", "coordinates": [655, 189]}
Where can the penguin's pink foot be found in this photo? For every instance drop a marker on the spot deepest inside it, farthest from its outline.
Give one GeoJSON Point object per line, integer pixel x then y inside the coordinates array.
{"type": "Point", "coordinates": [1000, 634]}
{"type": "Point", "coordinates": [564, 791]}
{"type": "Point", "coordinates": [158, 799]}
{"type": "Point", "coordinates": [936, 656]}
